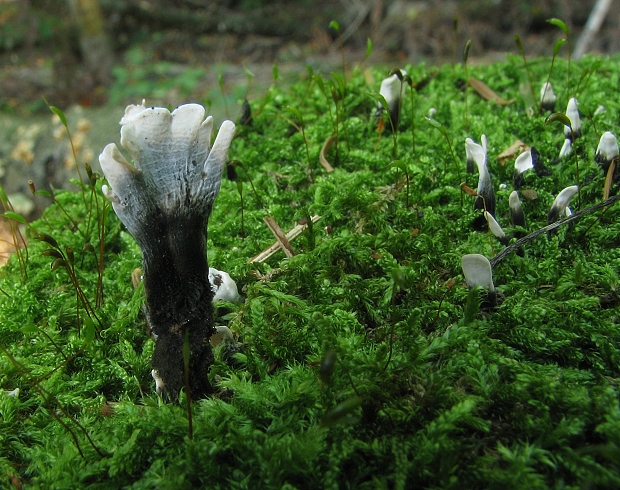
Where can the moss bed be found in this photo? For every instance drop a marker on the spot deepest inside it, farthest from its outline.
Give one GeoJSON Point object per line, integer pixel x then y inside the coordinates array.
{"type": "Point", "coordinates": [364, 361]}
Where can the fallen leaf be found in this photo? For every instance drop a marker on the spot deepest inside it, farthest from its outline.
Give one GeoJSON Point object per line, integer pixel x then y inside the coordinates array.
{"type": "Point", "coordinates": [468, 190]}
{"type": "Point", "coordinates": [487, 93]}
{"type": "Point", "coordinates": [515, 149]}
{"type": "Point", "coordinates": [16, 482]}
{"type": "Point", "coordinates": [530, 194]}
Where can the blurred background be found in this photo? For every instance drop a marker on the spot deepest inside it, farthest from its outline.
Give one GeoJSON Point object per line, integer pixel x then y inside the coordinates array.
{"type": "Point", "coordinates": [92, 52]}
{"type": "Point", "coordinates": [90, 58]}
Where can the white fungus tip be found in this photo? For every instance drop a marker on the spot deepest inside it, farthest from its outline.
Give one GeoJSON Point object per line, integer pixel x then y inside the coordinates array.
{"type": "Point", "coordinates": [222, 334]}
{"type": "Point", "coordinates": [564, 197]}
{"type": "Point", "coordinates": [392, 88]}
{"type": "Point", "coordinates": [223, 286]}
{"type": "Point", "coordinates": [524, 162]}
{"type": "Point", "coordinates": [494, 226]}
{"type": "Point", "coordinates": [547, 96]}
{"type": "Point", "coordinates": [477, 271]}
{"type": "Point", "coordinates": [572, 112]}
{"type": "Point", "coordinates": [477, 153]}
{"type": "Point", "coordinates": [607, 146]}
{"type": "Point", "coordinates": [160, 387]}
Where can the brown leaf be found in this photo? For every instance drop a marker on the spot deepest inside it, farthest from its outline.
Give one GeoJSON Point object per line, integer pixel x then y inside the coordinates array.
{"type": "Point", "coordinates": [16, 482]}
{"type": "Point", "coordinates": [487, 93]}
{"type": "Point", "coordinates": [468, 190]}
{"type": "Point", "coordinates": [107, 410]}
{"type": "Point", "coordinates": [512, 151]}
{"type": "Point", "coordinates": [529, 194]}
{"type": "Point", "coordinates": [136, 277]}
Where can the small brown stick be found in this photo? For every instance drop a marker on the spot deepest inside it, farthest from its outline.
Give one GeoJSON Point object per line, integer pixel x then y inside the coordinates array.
{"type": "Point", "coordinates": [273, 249]}
{"type": "Point", "coordinates": [280, 236]}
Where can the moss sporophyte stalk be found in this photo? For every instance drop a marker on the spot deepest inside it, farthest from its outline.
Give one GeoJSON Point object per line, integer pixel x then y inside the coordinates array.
{"type": "Point", "coordinates": [410, 340]}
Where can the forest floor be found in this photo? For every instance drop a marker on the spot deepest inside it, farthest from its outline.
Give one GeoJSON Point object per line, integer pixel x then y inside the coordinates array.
{"type": "Point", "coordinates": [220, 70]}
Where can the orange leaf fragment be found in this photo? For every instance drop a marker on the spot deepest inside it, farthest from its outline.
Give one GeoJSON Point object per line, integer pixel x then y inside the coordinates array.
{"type": "Point", "coordinates": [468, 190]}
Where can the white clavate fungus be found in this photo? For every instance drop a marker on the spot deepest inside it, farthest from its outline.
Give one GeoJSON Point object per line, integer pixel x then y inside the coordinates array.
{"type": "Point", "coordinates": [160, 387]}
{"type": "Point", "coordinates": [478, 272]}
{"type": "Point", "coordinates": [606, 150]}
{"type": "Point", "coordinates": [559, 208]}
{"type": "Point", "coordinates": [567, 148]}
{"type": "Point", "coordinates": [224, 288]}
{"type": "Point", "coordinates": [222, 334]}
{"type": "Point", "coordinates": [547, 97]}
{"type": "Point", "coordinates": [485, 185]}
{"type": "Point", "coordinates": [392, 90]}
{"type": "Point", "coordinates": [165, 199]}
{"type": "Point", "coordinates": [572, 112]}
{"type": "Point", "coordinates": [495, 228]}
{"type": "Point", "coordinates": [522, 163]}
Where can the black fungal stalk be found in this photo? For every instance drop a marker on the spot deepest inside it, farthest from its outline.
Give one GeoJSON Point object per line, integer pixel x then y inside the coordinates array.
{"type": "Point", "coordinates": [165, 200]}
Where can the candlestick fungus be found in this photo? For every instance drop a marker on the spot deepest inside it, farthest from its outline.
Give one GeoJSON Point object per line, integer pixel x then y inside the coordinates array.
{"type": "Point", "coordinates": [165, 200]}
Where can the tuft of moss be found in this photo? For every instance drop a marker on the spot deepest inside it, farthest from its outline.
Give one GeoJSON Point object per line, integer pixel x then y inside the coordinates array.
{"type": "Point", "coordinates": [426, 389]}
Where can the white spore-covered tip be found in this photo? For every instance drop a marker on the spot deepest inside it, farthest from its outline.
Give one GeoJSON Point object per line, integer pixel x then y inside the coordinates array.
{"type": "Point", "coordinates": [478, 153]}
{"type": "Point", "coordinates": [223, 286]}
{"type": "Point", "coordinates": [494, 226]}
{"type": "Point", "coordinates": [547, 97]}
{"type": "Point", "coordinates": [517, 217]}
{"type": "Point", "coordinates": [392, 88]}
{"type": "Point", "coordinates": [572, 111]}
{"type": "Point", "coordinates": [524, 162]}
{"type": "Point", "coordinates": [173, 167]}
{"type": "Point", "coordinates": [606, 150]}
{"type": "Point", "coordinates": [559, 208]}
{"type": "Point", "coordinates": [477, 271]}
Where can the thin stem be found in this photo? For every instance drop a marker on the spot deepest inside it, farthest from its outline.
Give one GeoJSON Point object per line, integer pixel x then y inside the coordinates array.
{"type": "Point", "coordinates": [412, 121]}
{"type": "Point", "coordinates": [456, 163]}
{"type": "Point", "coordinates": [529, 74]}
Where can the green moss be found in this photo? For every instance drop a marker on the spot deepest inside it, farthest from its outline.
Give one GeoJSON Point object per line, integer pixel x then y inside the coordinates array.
{"type": "Point", "coordinates": [429, 391]}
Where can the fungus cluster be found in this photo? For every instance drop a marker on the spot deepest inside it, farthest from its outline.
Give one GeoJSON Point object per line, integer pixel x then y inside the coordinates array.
{"type": "Point", "coordinates": [477, 269]}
